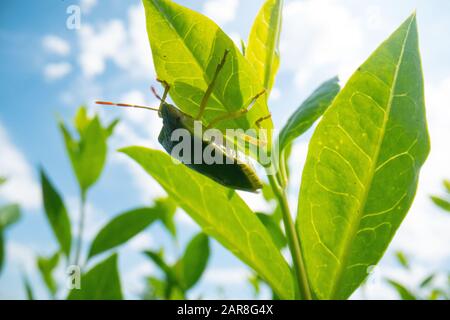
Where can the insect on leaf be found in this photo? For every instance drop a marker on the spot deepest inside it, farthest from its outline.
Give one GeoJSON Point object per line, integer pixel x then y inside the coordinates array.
{"type": "Point", "coordinates": [102, 282]}
{"type": "Point", "coordinates": [194, 260]}
{"type": "Point", "coordinates": [187, 48]}
{"type": "Point", "coordinates": [56, 213]}
{"type": "Point", "coordinates": [221, 213]}
{"type": "Point", "coordinates": [363, 165]}
{"type": "Point", "coordinates": [263, 43]}
{"type": "Point", "coordinates": [122, 228]}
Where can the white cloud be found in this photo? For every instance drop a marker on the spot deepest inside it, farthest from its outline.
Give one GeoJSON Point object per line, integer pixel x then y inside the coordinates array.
{"type": "Point", "coordinates": [142, 241]}
{"type": "Point", "coordinates": [87, 6]}
{"type": "Point", "coordinates": [320, 38]}
{"type": "Point", "coordinates": [221, 11]}
{"type": "Point", "coordinates": [21, 186]}
{"type": "Point", "coordinates": [56, 45]}
{"type": "Point", "coordinates": [126, 46]}
{"type": "Point", "coordinates": [134, 279]}
{"type": "Point", "coordinates": [227, 276]}
{"type": "Point", "coordinates": [21, 256]}
{"type": "Point", "coordinates": [55, 71]}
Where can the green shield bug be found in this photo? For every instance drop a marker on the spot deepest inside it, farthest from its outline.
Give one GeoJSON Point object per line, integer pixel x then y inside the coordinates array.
{"type": "Point", "coordinates": [233, 170]}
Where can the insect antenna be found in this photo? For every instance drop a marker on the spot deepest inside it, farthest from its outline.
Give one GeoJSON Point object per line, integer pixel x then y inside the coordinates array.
{"type": "Point", "coordinates": [125, 105]}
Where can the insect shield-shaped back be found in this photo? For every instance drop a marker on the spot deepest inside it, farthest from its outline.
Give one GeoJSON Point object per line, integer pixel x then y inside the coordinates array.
{"type": "Point", "coordinates": [180, 139]}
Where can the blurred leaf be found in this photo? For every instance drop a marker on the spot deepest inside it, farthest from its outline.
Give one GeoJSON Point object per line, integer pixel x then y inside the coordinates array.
{"type": "Point", "coordinates": [362, 168]}
{"type": "Point", "coordinates": [447, 185]}
{"type": "Point", "coordinates": [167, 207]}
{"type": "Point", "coordinates": [194, 260]}
{"type": "Point", "coordinates": [274, 230]}
{"type": "Point", "coordinates": [2, 180]}
{"type": "Point", "coordinates": [9, 215]}
{"type": "Point", "coordinates": [102, 282]}
{"type": "Point", "coordinates": [308, 112]}
{"type": "Point", "coordinates": [427, 281]}
{"type": "Point", "coordinates": [435, 294]}
{"type": "Point", "coordinates": [56, 214]}
{"type": "Point", "coordinates": [156, 289]}
{"type": "Point", "coordinates": [443, 204]}
{"type": "Point", "coordinates": [401, 258]}
{"type": "Point", "coordinates": [111, 127]}
{"type": "Point", "coordinates": [255, 282]}
{"type": "Point", "coordinates": [187, 47]}
{"type": "Point", "coordinates": [87, 155]}
{"type": "Point", "coordinates": [157, 258]}
{"type": "Point", "coordinates": [46, 267]}
{"type": "Point", "coordinates": [28, 289]}
{"type": "Point", "coordinates": [222, 214]}
{"type": "Point", "coordinates": [263, 43]}
{"type": "Point", "coordinates": [404, 293]}
{"type": "Point", "coordinates": [2, 250]}
{"type": "Point", "coordinates": [122, 228]}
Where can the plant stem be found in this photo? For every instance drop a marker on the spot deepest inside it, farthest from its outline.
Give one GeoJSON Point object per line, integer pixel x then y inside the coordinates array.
{"type": "Point", "coordinates": [80, 227]}
{"type": "Point", "coordinates": [293, 240]}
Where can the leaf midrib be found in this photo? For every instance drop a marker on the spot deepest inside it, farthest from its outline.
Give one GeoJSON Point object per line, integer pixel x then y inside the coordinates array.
{"type": "Point", "coordinates": [354, 230]}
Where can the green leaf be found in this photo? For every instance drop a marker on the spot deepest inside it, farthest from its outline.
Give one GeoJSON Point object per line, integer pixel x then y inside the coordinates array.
{"type": "Point", "coordinates": [404, 293]}
{"type": "Point", "coordinates": [56, 213]}
{"type": "Point", "coordinates": [28, 289]}
{"type": "Point", "coordinates": [194, 260]}
{"type": "Point", "coordinates": [263, 43]}
{"type": "Point", "coordinates": [2, 250]}
{"type": "Point", "coordinates": [88, 154]}
{"type": "Point", "coordinates": [427, 281]}
{"type": "Point", "coordinates": [46, 267]}
{"type": "Point", "coordinates": [167, 208]}
{"type": "Point", "coordinates": [363, 165]}
{"type": "Point", "coordinates": [402, 259]}
{"type": "Point", "coordinates": [158, 259]}
{"type": "Point", "coordinates": [2, 180]}
{"type": "Point", "coordinates": [274, 229]}
{"type": "Point", "coordinates": [122, 228]}
{"type": "Point", "coordinates": [186, 48]}
{"type": "Point", "coordinates": [308, 112]}
{"type": "Point", "coordinates": [9, 215]}
{"type": "Point", "coordinates": [222, 214]}
{"type": "Point", "coordinates": [102, 282]}
{"type": "Point", "coordinates": [443, 204]}
{"type": "Point", "coordinates": [110, 128]}
{"type": "Point", "coordinates": [447, 185]}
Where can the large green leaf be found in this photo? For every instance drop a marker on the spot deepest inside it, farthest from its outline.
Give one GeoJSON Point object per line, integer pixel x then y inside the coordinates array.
{"type": "Point", "coordinates": [88, 153]}
{"type": "Point", "coordinates": [102, 282]}
{"type": "Point", "coordinates": [263, 43]}
{"type": "Point", "coordinates": [442, 203]}
{"type": "Point", "coordinates": [222, 214]}
{"type": "Point", "coordinates": [56, 213]}
{"type": "Point", "coordinates": [308, 112]}
{"type": "Point", "coordinates": [194, 260]}
{"type": "Point", "coordinates": [186, 48]}
{"type": "Point", "coordinates": [122, 228]}
{"type": "Point", "coordinates": [363, 165]}
{"type": "Point", "coordinates": [46, 267]}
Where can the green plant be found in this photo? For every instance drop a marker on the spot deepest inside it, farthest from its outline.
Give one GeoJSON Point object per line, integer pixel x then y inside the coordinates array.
{"type": "Point", "coordinates": [9, 215]}
{"type": "Point", "coordinates": [362, 166]}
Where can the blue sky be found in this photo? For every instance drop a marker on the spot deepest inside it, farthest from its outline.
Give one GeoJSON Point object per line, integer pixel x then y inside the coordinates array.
{"type": "Point", "coordinates": [48, 70]}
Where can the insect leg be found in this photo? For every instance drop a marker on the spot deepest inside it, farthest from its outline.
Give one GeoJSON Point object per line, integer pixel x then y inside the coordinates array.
{"type": "Point", "coordinates": [210, 88]}
{"type": "Point", "coordinates": [166, 91]}
{"type": "Point", "coordinates": [237, 114]}
{"type": "Point", "coordinates": [124, 105]}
